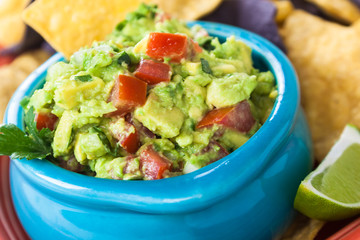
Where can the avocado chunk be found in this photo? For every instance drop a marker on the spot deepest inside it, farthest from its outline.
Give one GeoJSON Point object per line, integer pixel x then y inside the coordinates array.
{"type": "Point", "coordinates": [232, 140]}
{"type": "Point", "coordinates": [164, 121]}
{"type": "Point", "coordinates": [80, 155]}
{"type": "Point", "coordinates": [231, 89]}
{"type": "Point", "coordinates": [234, 49]}
{"type": "Point", "coordinates": [63, 132]}
{"type": "Point", "coordinates": [90, 145]}
{"type": "Point", "coordinates": [74, 92]}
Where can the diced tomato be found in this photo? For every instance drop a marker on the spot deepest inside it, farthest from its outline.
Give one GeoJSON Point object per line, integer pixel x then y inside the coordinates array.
{"type": "Point", "coordinates": [153, 72]}
{"type": "Point", "coordinates": [167, 45]}
{"type": "Point", "coordinates": [127, 136]}
{"type": "Point", "coordinates": [128, 93]}
{"type": "Point", "coordinates": [196, 47]}
{"type": "Point", "coordinates": [238, 117]}
{"type": "Point", "coordinates": [153, 164]}
{"type": "Point", "coordinates": [45, 120]}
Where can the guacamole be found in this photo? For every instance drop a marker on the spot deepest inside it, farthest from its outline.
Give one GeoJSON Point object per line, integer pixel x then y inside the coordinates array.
{"type": "Point", "coordinates": [156, 99]}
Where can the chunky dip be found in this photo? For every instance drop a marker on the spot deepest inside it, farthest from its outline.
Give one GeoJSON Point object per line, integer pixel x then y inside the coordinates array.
{"type": "Point", "coordinates": [156, 99]}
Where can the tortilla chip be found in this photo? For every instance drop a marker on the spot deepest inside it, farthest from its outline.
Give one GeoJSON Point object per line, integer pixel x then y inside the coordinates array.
{"type": "Point", "coordinates": [188, 9]}
{"type": "Point", "coordinates": [12, 27]}
{"type": "Point", "coordinates": [343, 10]}
{"type": "Point", "coordinates": [11, 76]}
{"type": "Point", "coordinates": [284, 8]}
{"type": "Point", "coordinates": [303, 228]}
{"type": "Point", "coordinates": [327, 59]}
{"type": "Point", "coordinates": [8, 7]}
{"type": "Point", "coordinates": [69, 25]}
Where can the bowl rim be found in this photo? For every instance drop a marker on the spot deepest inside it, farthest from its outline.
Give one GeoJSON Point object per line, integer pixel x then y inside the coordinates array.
{"type": "Point", "coordinates": [185, 193]}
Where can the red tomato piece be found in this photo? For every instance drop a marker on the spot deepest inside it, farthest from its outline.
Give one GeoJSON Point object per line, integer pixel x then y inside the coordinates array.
{"type": "Point", "coordinates": [161, 45]}
{"type": "Point", "coordinates": [128, 93]}
{"type": "Point", "coordinates": [196, 47]}
{"type": "Point", "coordinates": [153, 164]}
{"type": "Point", "coordinates": [45, 120]}
{"type": "Point", "coordinates": [238, 117]}
{"type": "Point", "coordinates": [153, 72]}
{"type": "Point", "coordinates": [127, 137]}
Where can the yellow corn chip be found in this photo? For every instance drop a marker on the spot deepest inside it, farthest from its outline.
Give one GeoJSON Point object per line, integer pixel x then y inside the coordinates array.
{"type": "Point", "coordinates": [284, 8]}
{"type": "Point", "coordinates": [12, 75]}
{"type": "Point", "coordinates": [8, 7]}
{"type": "Point", "coordinates": [188, 9]}
{"type": "Point", "coordinates": [70, 24]}
{"type": "Point", "coordinates": [327, 59]}
{"type": "Point", "coordinates": [12, 27]}
{"type": "Point", "coordinates": [343, 10]}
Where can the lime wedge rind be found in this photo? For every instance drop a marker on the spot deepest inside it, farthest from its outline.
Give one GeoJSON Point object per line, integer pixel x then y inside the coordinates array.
{"type": "Point", "coordinates": [327, 209]}
{"type": "Point", "coordinates": [315, 204]}
{"type": "Point", "coordinates": [349, 136]}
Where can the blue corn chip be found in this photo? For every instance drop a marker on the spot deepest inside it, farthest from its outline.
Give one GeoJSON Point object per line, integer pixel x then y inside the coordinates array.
{"type": "Point", "coordinates": [356, 2]}
{"type": "Point", "coordinates": [253, 15]}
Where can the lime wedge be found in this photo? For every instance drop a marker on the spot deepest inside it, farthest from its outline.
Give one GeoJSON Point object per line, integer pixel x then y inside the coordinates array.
{"type": "Point", "coordinates": [332, 190]}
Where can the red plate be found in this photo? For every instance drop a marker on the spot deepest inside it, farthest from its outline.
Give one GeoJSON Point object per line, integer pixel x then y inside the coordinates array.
{"type": "Point", "coordinates": [10, 226]}
{"type": "Point", "coordinates": [349, 232]}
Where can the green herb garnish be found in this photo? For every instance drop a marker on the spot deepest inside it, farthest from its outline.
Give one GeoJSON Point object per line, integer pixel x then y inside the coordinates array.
{"type": "Point", "coordinates": [29, 144]}
{"type": "Point", "coordinates": [24, 102]}
{"type": "Point", "coordinates": [84, 78]}
{"type": "Point", "coordinates": [121, 25]}
{"type": "Point", "coordinates": [105, 141]}
{"type": "Point", "coordinates": [124, 58]}
{"type": "Point", "coordinates": [207, 45]}
{"type": "Point", "coordinates": [205, 66]}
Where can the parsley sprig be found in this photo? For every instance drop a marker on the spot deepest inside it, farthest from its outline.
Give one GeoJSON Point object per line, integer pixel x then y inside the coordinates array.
{"type": "Point", "coordinates": [29, 144]}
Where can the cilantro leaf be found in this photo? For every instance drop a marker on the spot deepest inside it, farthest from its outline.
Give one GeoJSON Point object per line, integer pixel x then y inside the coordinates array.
{"type": "Point", "coordinates": [84, 78]}
{"type": "Point", "coordinates": [124, 58]}
{"type": "Point", "coordinates": [206, 44]}
{"type": "Point", "coordinates": [121, 25]}
{"type": "Point", "coordinates": [30, 144]}
{"type": "Point", "coordinates": [112, 150]}
{"type": "Point", "coordinates": [205, 66]}
{"type": "Point", "coordinates": [24, 102]}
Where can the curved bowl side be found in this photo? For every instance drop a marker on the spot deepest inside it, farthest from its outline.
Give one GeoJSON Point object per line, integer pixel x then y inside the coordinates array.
{"type": "Point", "coordinates": [260, 210]}
{"type": "Point", "coordinates": [184, 193]}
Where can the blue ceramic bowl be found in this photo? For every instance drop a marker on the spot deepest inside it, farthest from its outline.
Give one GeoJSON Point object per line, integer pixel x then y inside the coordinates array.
{"type": "Point", "coordinates": [246, 195]}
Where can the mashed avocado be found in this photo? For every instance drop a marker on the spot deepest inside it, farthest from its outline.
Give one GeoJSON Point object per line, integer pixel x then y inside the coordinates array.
{"type": "Point", "coordinates": [156, 99]}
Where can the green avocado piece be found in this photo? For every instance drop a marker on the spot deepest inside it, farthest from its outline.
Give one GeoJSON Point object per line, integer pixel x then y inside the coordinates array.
{"type": "Point", "coordinates": [113, 168]}
{"type": "Point", "coordinates": [234, 49]}
{"type": "Point", "coordinates": [62, 137]}
{"type": "Point", "coordinates": [231, 89]}
{"type": "Point", "coordinates": [232, 140]}
{"type": "Point", "coordinates": [164, 121]}
{"type": "Point", "coordinates": [41, 99]}
{"type": "Point", "coordinates": [90, 145]}
{"type": "Point", "coordinates": [73, 93]}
